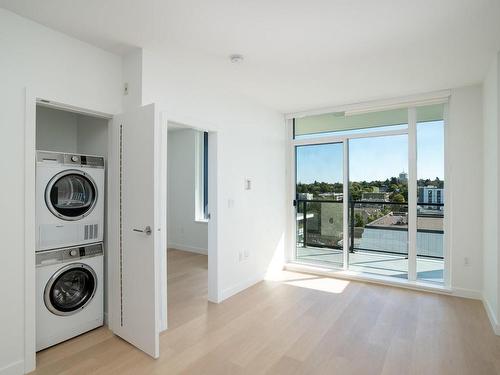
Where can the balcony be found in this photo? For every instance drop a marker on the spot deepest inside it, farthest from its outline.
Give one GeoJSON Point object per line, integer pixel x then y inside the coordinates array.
{"type": "Point", "coordinates": [378, 237]}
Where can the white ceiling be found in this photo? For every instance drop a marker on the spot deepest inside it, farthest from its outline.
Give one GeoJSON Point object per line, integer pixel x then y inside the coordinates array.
{"type": "Point", "coordinates": [299, 54]}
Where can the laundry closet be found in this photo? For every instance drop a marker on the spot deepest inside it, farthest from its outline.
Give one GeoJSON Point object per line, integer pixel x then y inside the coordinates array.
{"type": "Point", "coordinates": [96, 218]}
{"type": "Point", "coordinates": [71, 187]}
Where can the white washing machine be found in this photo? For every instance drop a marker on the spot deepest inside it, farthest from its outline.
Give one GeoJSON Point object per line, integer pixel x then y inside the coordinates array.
{"type": "Point", "coordinates": [69, 293]}
{"type": "Point", "coordinates": [69, 199]}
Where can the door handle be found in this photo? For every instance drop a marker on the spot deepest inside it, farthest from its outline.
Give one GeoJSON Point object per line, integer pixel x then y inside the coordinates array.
{"type": "Point", "coordinates": [146, 230]}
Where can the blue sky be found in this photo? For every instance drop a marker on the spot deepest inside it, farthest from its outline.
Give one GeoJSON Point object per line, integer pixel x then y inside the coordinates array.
{"type": "Point", "coordinates": [374, 158]}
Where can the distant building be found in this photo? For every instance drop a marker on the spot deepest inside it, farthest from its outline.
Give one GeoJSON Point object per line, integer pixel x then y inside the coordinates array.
{"type": "Point", "coordinates": [331, 223]}
{"type": "Point", "coordinates": [390, 234]}
{"type": "Point", "coordinates": [377, 197]}
{"type": "Point", "coordinates": [430, 195]}
{"type": "Point", "coordinates": [305, 196]}
{"type": "Point", "coordinates": [332, 196]}
{"type": "Point", "coordinates": [403, 177]}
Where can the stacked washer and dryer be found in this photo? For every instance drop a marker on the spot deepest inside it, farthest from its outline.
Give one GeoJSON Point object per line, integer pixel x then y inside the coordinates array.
{"type": "Point", "coordinates": [69, 252]}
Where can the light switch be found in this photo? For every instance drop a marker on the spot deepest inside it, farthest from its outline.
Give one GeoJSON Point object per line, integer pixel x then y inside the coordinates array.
{"type": "Point", "coordinates": [248, 184]}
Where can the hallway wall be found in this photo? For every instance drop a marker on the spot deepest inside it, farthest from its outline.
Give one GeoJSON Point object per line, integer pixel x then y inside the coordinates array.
{"type": "Point", "coordinates": [184, 231]}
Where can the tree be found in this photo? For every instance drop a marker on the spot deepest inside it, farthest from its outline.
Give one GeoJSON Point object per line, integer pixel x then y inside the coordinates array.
{"type": "Point", "coordinates": [398, 198]}
{"type": "Point", "coordinates": [394, 187]}
{"type": "Point", "coordinates": [358, 219]}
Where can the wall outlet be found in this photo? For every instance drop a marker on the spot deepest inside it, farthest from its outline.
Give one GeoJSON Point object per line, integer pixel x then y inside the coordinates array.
{"type": "Point", "coordinates": [466, 262]}
{"type": "Point", "coordinates": [125, 88]}
{"type": "Point", "coordinates": [246, 254]}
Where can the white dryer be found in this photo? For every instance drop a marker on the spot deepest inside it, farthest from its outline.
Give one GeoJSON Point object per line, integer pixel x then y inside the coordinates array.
{"type": "Point", "coordinates": [69, 293]}
{"type": "Point", "coordinates": [69, 199]}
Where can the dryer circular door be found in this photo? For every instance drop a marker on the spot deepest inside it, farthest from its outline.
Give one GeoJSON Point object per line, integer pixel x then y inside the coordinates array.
{"type": "Point", "coordinates": [71, 195]}
{"type": "Point", "coordinates": [70, 289]}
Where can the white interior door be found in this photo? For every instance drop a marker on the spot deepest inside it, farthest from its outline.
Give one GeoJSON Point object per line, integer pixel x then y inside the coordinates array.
{"type": "Point", "coordinates": [135, 252]}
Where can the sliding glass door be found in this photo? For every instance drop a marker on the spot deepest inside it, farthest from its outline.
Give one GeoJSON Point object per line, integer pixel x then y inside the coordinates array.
{"type": "Point", "coordinates": [378, 205]}
{"type": "Point", "coordinates": [369, 192]}
{"type": "Point", "coordinates": [319, 204]}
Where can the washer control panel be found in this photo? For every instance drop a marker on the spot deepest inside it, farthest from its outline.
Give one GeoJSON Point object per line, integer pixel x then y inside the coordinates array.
{"type": "Point", "coordinates": [92, 250]}
{"type": "Point", "coordinates": [68, 254]}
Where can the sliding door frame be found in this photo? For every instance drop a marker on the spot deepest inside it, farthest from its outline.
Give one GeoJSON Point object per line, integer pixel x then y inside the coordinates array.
{"type": "Point", "coordinates": [411, 132]}
{"type": "Point", "coordinates": [345, 192]}
{"type": "Point", "coordinates": [345, 206]}
{"type": "Point", "coordinates": [412, 194]}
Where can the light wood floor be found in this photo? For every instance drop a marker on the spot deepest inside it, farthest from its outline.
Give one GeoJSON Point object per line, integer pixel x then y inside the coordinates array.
{"type": "Point", "coordinates": [297, 324]}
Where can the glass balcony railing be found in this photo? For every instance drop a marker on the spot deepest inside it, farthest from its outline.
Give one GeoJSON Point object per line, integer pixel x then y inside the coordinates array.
{"type": "Point", "coordinates": [373, 226]}
{"type": "Point", "coordinates": [320, 223]}
{"type": "Point", "coordinates": [378, 236]}
{"type": "Point", "coordinates": [320, 231]}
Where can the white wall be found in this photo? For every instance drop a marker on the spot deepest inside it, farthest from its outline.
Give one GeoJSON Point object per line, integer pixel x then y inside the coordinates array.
{"type": "Point", "coordinates": [184, 232]}
{"type": "Point", "coordinates": [132, 76]}
{"type": "Point", "coordinates": [63, 131]}
{"type": "Point", "coordinates": [491, 118]}
{"type": "Point", "coordinates": [464, 155]}
{"type": "Point", "coordinates": [92, 136]}
{"type": "Point", "coordinates": [56, 130]}
{"type": "Point", "coordinates": [60, 68]}
{"type": "Point", "coordinates": [250, 143]}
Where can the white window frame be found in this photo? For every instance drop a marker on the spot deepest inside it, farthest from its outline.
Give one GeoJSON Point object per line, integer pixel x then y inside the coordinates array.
{"type": "Point", "coordinates": [411, 103]}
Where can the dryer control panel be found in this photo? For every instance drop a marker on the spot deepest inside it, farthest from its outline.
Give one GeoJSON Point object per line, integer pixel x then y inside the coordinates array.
{"type": "Point", "coordinates": [70, 159]}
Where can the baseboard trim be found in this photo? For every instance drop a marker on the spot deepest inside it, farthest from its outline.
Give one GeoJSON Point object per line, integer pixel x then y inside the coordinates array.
{"type": "Point", "coordinates": [358, 276]}
{"type": "Point", "coordinates": [235, 289]}
{"type": "Point", "coordinates": [467, 293]}
{"type": "Point", "coordinates": [491, 316]}
{"type": "Point", "coordinates": [15, 368]}
{"type": "Point", "coordinates": [191, 249]}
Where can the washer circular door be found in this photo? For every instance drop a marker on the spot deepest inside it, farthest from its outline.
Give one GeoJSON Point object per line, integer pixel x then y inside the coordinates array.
{"type": "Point", "coordinates": [71, 195]}
{"type": "Point", "coordinates": [70, 289]}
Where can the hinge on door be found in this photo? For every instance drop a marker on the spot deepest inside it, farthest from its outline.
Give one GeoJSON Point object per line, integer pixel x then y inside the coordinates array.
{"type": "Point", "coordinates": [294, 203]}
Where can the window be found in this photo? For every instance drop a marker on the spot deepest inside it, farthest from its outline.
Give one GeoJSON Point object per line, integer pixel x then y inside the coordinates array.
{"type": "Point", "coordinates": [205, 175]}
{"type": "Point", "coordinates": [202, 177]}
{"type": "Point", "coordinates": [341, 123]}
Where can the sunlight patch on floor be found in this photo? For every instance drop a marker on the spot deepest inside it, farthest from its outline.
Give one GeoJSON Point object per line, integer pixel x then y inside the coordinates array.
{"type": "Point", "coordinates": [283, 275]}
{"type": "Point", "coordinates": [303, 280]}
{"type": "Point", "coordinates": [323, 284]}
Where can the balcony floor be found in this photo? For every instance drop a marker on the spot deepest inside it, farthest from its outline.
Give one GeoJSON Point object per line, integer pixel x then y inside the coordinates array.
{"type": "Point", "coordinates": [374, 262]}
